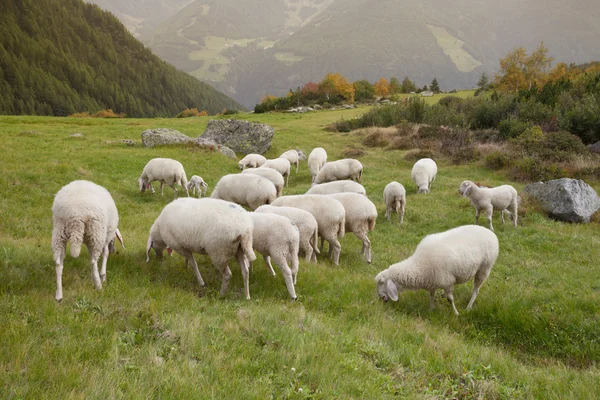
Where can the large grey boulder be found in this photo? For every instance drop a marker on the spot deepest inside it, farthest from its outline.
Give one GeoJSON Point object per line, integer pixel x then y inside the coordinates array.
{"type": "Point", "coordinates": [594, 147]}
{"type": "Point", "coordinates": [212, 145]}
{"type": "Point", "coordinates": [163, 136]}
{"type": "Point", "coordinates": [565, 199]}
{"type": "Point", "coordinates": [241, 136]}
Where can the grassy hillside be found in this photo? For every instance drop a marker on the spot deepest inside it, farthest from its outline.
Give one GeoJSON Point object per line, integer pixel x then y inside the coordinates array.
{"type": "Point", "coordinates": [152, 333]}
{"type": "Point", "coordinates": [62, 57]}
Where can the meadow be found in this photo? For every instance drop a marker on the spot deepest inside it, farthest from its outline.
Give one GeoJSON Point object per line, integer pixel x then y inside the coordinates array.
{"type": "Point", "coordinates": [153, 333]}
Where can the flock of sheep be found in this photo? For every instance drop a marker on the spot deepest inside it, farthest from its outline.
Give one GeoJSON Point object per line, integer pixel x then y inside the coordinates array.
{"type": "Point", "coordinates": [280, 227]}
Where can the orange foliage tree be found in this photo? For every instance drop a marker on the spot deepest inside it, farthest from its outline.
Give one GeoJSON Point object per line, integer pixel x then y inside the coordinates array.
{"type": "Point", "coordinates": [382, 87]}
{"type": "Point", "coordinates": [336, 85]}
{"type": "Point", "coordinates": [520, 71]}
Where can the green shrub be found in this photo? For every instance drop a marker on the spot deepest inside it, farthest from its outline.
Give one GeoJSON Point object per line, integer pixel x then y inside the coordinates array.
{"type": "Point", "coordinates": [449, 100]}
{"type": "Point", "coordinates": [535, 112]}
{"type": "Point", "coordinates": [376, 139]}
{"type": "Point", "coordinates": [582, 118]}
{"type": "Point", "coordinates": [230, 112]}
{"type": "Point", "coordinates": [534, 169]}
{"type": "Point", "coordinates": [416, 155]}
{"type": "Point", "coordinates": [497, 160]}
{"type": "Point", "coordinates": [511, 128]}
{"type": "Point", "coordinates": [415, 110]}
{"type": "Point", "coordinates": [564, 141]}
{"type": "Point", "coordinates": [429, 132]}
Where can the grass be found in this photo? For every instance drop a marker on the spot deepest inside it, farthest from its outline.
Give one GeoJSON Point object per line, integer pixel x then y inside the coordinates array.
{"type": "Point", "coordinates": [152, 333]}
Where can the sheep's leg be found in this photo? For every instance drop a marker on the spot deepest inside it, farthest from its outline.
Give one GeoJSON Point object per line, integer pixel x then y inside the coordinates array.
{"type": "Point", "coordinates": [402, 213]}
{"type": "Point", "coordinates": [175, 190]}
{"type": "Point", "coordinates": [387, 213]}
{"type": "Point", "coordinates": [191, 260]}
{"type": "Point", "coordinates": [287, 275]}
{"type": "Point", "coordinates": [432, 299]}
{"type": "Point", "coordinates": [366, 249]}
{"type": "Point", "coordinates": [514, 213]}
{"type": "Point", "coordinates": [161, 188]}
{"type": "Point", "coordinates": [243, 261]}
{"type": "Point", "coordinates": [490, 213]}
{"type": "Point", "coordinates": [322, 243]}
{"type": "Point", "coordinates": [268, 262]}
{"type": "Point", "coordinates": [151, 188]}
{"type": "Point", "coordinates": [59, 270]}
{"type": "Point", "coordinates": [450, 298]}
{"type": "Point", "coordinates": [480, 277]}
{"type": "Point", "coordinates": [335, 248]}
{"type": "Point", "coordinates": [104, 260]}
{"type": "Point", "coordinates": [226, 276]}
{"type": "Point", "coordinates": [502, 216]}
{"type": "Point", "coordinates": [477, 212]}
{"type": "Point", "coordinates": [95, 274]}
{"type": "Point", "coordinates": [187, 191]}
{"type": "Point", "coordinates": [287, 178]}
{"type": "Point", "coordinates": [297, 164]}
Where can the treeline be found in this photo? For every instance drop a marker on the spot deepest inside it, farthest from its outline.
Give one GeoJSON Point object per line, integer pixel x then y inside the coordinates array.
{"type": "Point", "coordinates": [59, 57]}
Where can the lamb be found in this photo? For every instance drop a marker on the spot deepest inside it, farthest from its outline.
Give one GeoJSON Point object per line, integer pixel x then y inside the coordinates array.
{"type": "Point", "coordinates": [277, 237]}
{"type": "Point", "coordinates": [294, 157]}
{"type": "Point", "coordinates": [329, 213]}
{"type": "Point", "coordinates": [491, 199]}
{"type": "Point", "coordinates": [165, 170]}
{"type": "Point", "coordinates": [306, 224]}
{"type": "Point", "coordinates": [316, 159]}
{"type": "Point", "coordinates": [394, 196]}
{"type": "Point", "coordinates": [443, 260]}
{"type": "Point", "coordinates": [214, 227]}
{"type": "Point", "coordinates": [270, 174]}
{"type": "Point", "coordinates": [84, 212]}
{"type": "Point", "coordinates": [423, 174]}
{"type": "Point", "coordinates": [337, 187]}
{"type": "Point", "coordinates": [245, 189]}
{"type": "Point", "coordinates": [361, 215]}
{"type": "Point", "coordinates": [348, 168]}
{"type": "Point", "coordinates": [251, 161]}
{"type": "Point", "coordinates": [281, 165]}
{"type": "Point", "coordinates": [197, 185]}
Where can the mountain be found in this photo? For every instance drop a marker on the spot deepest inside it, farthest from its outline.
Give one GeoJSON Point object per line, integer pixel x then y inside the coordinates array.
{"type": "Point", "coordinates": [58, 57]}
{"type": "Point", "coordinates": [248, 49]}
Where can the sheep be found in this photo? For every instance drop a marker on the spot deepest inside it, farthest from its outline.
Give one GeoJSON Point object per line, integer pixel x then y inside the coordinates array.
{"type": "Point", "coordinates": [165, 170]}
{"type": "Point", "coordinates": [245, 189]}
{"type": "Point", "coordinates": [361, 215]}
{"type": "Point", "coordinates": [337, 187]}
{"type": "Point", "coordinates": [84, 212]}
{"type": "Point", "coordinates": [214, 227]}
{"type": "Point", "coordinates": [197, 185]}
{"type": "Point", "coordinates": [394, 196]}
{"type": "Point", "coordinates": [316, 159]}
{"type": "Point", "coordinates": [443, 260]}
{"type": "Point", "coordinates": [423, 174]}
{"type": "Point", "coordinates": [270, 174]}
{"type": "Point", "coordinates": [306, 224]}
{"type": "Point", "coordinates": [251, 161]}
{"type": "Point", "coordinates": [347, 168]}
{"type": "Point", "coordinates": [281, 165]}
{"type": "Point", "coordinates": [277, 237]}
{"type": "Point", "coordinates": [294, 157]}
{"type": "Point", "coordinates": [329, 213]}
{"type": "Point", "coordinates": [491, 199]}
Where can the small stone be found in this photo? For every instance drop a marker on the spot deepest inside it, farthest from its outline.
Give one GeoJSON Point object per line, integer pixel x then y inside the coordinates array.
{"type": "Point", "coordinates": [76, 134]}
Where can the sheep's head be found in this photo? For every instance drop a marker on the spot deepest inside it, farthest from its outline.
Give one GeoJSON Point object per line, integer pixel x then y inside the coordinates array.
{"type": "Point", "coordinates": [111, 244]}
{"type": "Point", "coordinates": [465, 188]}
{"type": "Point", "coordinates": [386, 288]}
{"type": "Point", "coordinates": [158, 246]}
{"type": "Point", "coordinates": [423, 189]}
{"type": "Point", "coordinates": [301, 154]}
{"type": "Point", "coordinates": [143, 184]}
{"type": "Point", "coordinates": [204, 187]}
{"type": "Point", "coordinates": [241, 165]}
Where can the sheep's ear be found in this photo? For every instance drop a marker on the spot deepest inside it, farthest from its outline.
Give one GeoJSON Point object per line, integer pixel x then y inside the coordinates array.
{"type": "Point", "coordinates": [118, 235]}
{"type": "Point", "coordinates": [170, 251]}
{"type": "Point", "coordinates": [467, 190]}
{"type": "Point", "coordinates": [392, 290]}
{"type": "Point", "coordinates": [148, 248]}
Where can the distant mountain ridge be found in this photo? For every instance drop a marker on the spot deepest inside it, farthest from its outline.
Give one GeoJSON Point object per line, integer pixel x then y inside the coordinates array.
{"type": "Point", "coordinates": [249, 49]}
{"type": "Point", "coordinates": [58, 57]}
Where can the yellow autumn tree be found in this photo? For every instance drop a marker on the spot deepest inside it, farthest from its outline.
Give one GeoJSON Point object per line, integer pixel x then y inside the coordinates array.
{"type": "Point", "coordinates": [520, 71]}
{"type": "Point", "coordinates": [382, 87]}
{"type": "Point", "coordinates": [335, 84]}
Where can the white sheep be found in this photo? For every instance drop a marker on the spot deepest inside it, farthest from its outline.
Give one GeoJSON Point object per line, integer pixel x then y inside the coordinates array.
{"type": "Point", "coordinates": [316, 159]}
{"type": "Point", "coordinates": [306, 224]}
{"type": "Point", "coordinates": [251, 161]}
{"type": "Point", "coordinates": [361, 215]}
{"type": "Point", "coordinates": [278, 238]}
{"type": "Point", "coordinates": [196, 185]}
{"type": "Point", "coordinates": [329, 213]}
{"type": "Point", "coordinates": [294, 157]}
{"type": "Point", "coordinates": [245, 189]}
{"type": "Point", "coordinates": [165, 170]}
{"type": "Point", "coordinates": [394, 196]}
{"type": "Point", "coordinates": [344, 186]}
{"type": "Point", "coordinates": [348, 168]}
{"type": "Point", "coordinates": [491, 199]}
{"type": "Point", "coordinates": [270, 174]}
{"type": "Point", "coordinates": [218, 228]}
{"type": "Point", "coordinates": [84, 212]}
{"type": "Point", "coordinates": [281, 165]}
{"type": "Point", "coordinates": [443, 260]}
{"type": "Point", "coordinates": [423, 174]}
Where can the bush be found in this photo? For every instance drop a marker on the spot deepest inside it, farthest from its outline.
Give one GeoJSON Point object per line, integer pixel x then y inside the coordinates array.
{"type": "Point", "coordinates": [564, 141]}
{"type": "Point", "coordinates": [445, 115]}
{"type": "Point", "coordinates": [191, 112]}
{"type": "Point", "coordinates": [582, 118]}
{"type": "Point", "coordinates": [376, 139]}
{"type": "Point", "coordinates": [108, 114]}
{"type": "Point", "coordinates": [533, 169]}
{"type": "Point", "coordinates": [458, 145]}
{"type": "Point", "coordinates": [415, 110]}
{"type": "Point", "coordinates": [511, 128]}
{"type": "Point", "coordinates": [535, 112]}
{"type": "Point", "coordinates": [487, 113]}
{"type": "Point", "coordinates": [449, 100]}
{"type": "Point", "coordinates": [416, 155]}
{"type": "Point", "coordinates": [229, 112]}
{"type": "Point", "coordinates": [497, 160]}
{"type": "Point", "coordinates": [353, 152]}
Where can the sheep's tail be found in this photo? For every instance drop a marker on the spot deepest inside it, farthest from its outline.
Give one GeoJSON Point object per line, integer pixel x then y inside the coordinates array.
{"type": "Point", "coordinates": [76, 232]}
{"type": "Point", "coordinates": [372, 223]}
{"type": "Point", "coordinates": [246, 246]}
{"type": "Point", "coordinates": [314, 241]}
{"type": "Point", "coordinates": [397, 204]}
{"type": "Point", "coordinates": [183, 181]}
{"type": "Point", "coordinates": [342, 228]}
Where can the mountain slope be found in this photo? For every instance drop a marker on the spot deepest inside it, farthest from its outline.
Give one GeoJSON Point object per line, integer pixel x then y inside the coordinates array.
{"type": "Point", "coordinates": [62, 56]}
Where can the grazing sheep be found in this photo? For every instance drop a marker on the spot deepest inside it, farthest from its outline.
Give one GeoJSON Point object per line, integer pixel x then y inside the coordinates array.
{"type": "Point", "coordinates": [206, 226]}
{"type": "Point", "coordinates": [281, 165]}
{"type": "Point", "coordinates": [197, 186]}
{"type": "Point", "coordinates": [165, 170]}
{"type": "Point", "coordinates": [245, 189]}
{"type": "Point", "coordinates": [348, 168]}
{"type": "Point", "coordinates": [344, 186]}
{"type": "Point", "coordinates": [316, 159]}
{"type": "Point", "coordinates": [491, 199]}
{"type": "Point", "coordinates": [361, 215]}
{"type": "Point", "coordinates": [394, 196]}
{"type": "Point", "coordinates": [329, 213]}
{"type": "Point", "coordinates": [443, 260]}
{"type": "Point", "coordinates": [306, 224]}
{"type": "Point", "coordinates": [251, 161]}
{"type": "Point", "coordinates": [294, 157]}
{"type": "Point", "coordinates": [423, 174]}
{"type": "Point", "coordinates": [84, 212]}
{"type": "Point", "coordinates": [270, 174]}
{"type": "Point", "coordinates": [277, 237]}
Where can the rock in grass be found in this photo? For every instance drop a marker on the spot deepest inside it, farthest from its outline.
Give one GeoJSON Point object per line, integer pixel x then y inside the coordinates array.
{"type": "Point", "coordinates": [163, 136]}
{"type": "Point", "coordinates": [565, 199]}
{"type": "Point", "coordinates": [241, 136]}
